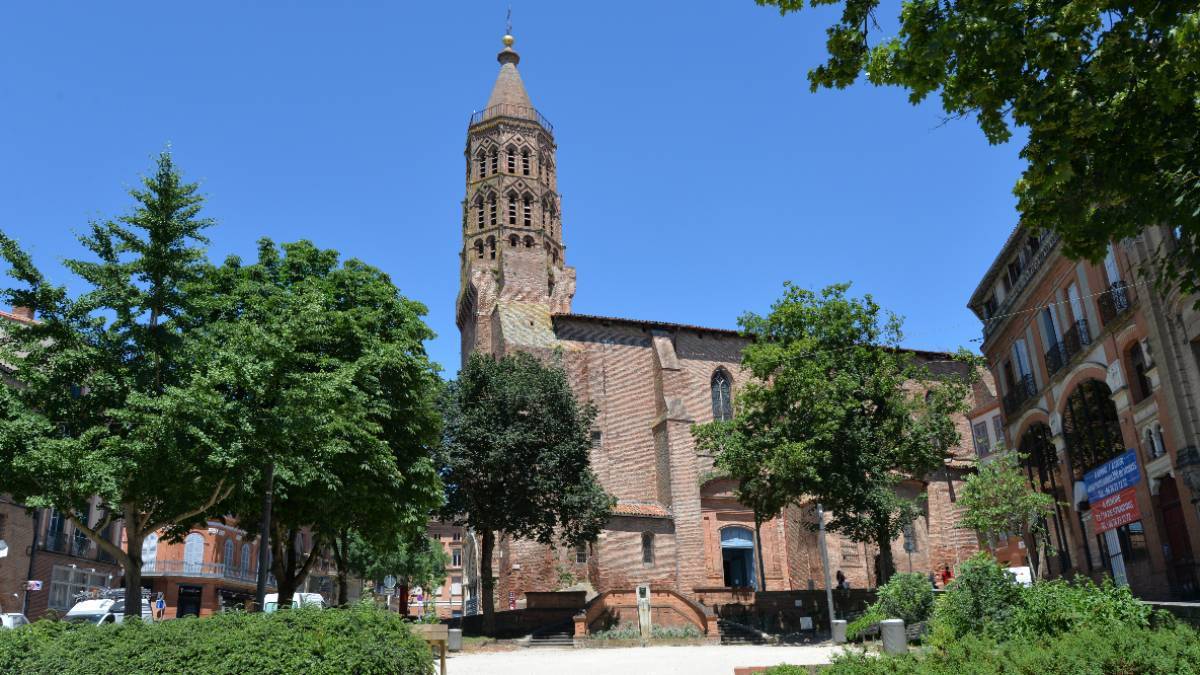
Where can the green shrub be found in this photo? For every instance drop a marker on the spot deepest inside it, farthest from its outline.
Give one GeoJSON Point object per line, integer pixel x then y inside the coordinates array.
{"type": "Point", "coordinates": [631, 631]}
{"type": "Point", "coordinates": [907, 596]}
{"type": "Point", "coordinates": [982, 597]}
{"type": "Point", "coordinates": [1085, 651]}
{"type": "Point", "coordinates": [1053, 607]}
{"type": "Point", "coordinates": [361, 639]}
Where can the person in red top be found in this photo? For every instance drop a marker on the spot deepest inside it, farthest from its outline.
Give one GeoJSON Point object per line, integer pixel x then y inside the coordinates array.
{"type": "Point", "coordinates": [947, 575]}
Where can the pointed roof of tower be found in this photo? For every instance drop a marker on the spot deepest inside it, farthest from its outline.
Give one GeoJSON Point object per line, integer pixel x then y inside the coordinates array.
{"type": "Point", "coordinates": [509, 90]}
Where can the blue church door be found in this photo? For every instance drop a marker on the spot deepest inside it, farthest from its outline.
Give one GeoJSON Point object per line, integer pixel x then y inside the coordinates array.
{"type": "Point", "coordinates": [737, 557]}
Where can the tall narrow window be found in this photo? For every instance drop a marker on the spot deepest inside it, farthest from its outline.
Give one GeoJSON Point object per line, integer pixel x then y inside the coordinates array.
{"type": "Point", "coordinates": [229, 561]}
{"type": "Point", "coordinates": [525, 161]}
{"type": "Point", "coordinates": [193, 553]}
{"type": "Point", "coordinates": [581, 554]}
{"type": "Point", "coordinates": [492, 247]}
{"type": "Point", "coordinates": [527, 211]}
{"type": "Point", "coordinates": [245, 561]}
{"type": "Point", "coordinates": [481, 158]}
{"type": "Point", "coordinates": [495, 160]}
{"type": "Point", "coordinates": [149, 552]}
{"type": "Point", "coordinates": [479, 211]}
{"type": "Point", "coordinates": [512, 208]}
{"type": "Point", "coordinates": [478, 249]}
{"type": "Point", "coordinates": [722, 401]}
{"type": "Point", "coordinates": [983, 443]}
{"type": "Point", "coordinates": [492, 210]}
{"type": "Point", "coordinates": [647, 548]}
{"type": "Point", "coordinates": [512, 160]}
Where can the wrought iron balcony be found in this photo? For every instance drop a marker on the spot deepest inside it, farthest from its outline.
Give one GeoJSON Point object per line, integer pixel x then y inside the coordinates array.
{"type": "Point", "coordinates": [1018, 393]}
{"type": "Point", "coordinates": [519, 112]}
{"type": "Point", "coordinates": [1073, 341]}
{"type": "Point", "coordinates": [201, 570]}
{"type": "Point", "coordinates": [1115, 303]}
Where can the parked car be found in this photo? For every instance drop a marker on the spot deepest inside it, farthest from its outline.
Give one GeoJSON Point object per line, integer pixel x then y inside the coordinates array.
{"type": "Point", "coordinates": [271, 602]}
{"type": "Point", "coordinates": [100, 611]}
{"type": "Point", "coordinates": [13, 620]}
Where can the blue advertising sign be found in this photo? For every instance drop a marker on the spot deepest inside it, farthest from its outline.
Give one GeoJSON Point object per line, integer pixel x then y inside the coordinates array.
{"type": "Point", "coordinates": [1116, 474]}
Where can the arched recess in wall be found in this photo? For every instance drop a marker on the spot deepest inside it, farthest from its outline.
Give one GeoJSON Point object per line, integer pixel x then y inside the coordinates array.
{"type": "Point", "coordinates": [1091, 427]}
{"type": "Point", "coordinates": [1039, 457]}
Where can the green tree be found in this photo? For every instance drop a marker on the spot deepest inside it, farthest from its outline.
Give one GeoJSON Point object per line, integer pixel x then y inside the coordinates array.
{"type": "Point", "coordinates": [747, 460]}
{"type": "Point", "coordinates": [324, 365]}
{"type": "Point", "coordinates": [418, 561]}
{"type": "Point", "coordinates": [516, 459]}
{"type": "Point", "coordinates": [998, 499]}
{"type": "Point", "coordinates": [1108, 92]}
{"type": "Point", "coordinates": [101, 404]}
{"type": "Point", "coordinates": [844, 414]}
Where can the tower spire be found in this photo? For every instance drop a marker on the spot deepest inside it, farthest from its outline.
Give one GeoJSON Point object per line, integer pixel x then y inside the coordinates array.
{"type": "Point", "coordinates": [509, 90]}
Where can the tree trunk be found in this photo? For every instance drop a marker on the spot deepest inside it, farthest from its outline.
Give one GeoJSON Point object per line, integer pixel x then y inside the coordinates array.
{"type": "Point", "coordinates": [285, 567]}
{"type": "Point", "coordinates": [343, 588]}
{"type": "Point", "coordinates": [887, 566]}
{"type": "Point", "coordinates": [133, 565]}
{"type": "Point", "coordinates": [341, 547]}
{"type": "Point", "coordinates": [762, 573]}
{"type": "Point", "coordinates": [488, 583]}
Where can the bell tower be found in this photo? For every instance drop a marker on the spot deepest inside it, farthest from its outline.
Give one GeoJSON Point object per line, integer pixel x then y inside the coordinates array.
{"type": "Point", "coordinates": [513, 270]}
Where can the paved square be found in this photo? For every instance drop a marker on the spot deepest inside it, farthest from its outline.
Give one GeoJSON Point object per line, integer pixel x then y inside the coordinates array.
{"type": "Point", "coordinates": [692, 660]}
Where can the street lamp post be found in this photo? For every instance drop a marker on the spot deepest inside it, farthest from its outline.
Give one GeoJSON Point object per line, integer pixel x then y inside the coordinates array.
{"type": "Point", "coordinates": [825, 563]}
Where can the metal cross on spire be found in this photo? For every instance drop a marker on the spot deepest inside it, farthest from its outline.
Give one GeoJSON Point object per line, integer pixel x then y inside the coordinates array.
{"type": "Point", "coordinates": [508, 21]}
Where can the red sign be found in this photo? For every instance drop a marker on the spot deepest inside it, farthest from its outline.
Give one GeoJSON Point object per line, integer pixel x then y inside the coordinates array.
{"type": "Point", "coordinates": [1115, 510]}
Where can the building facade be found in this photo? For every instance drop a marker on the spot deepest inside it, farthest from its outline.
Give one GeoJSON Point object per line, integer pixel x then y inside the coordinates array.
{"type": "Point", "coordinates": [676, 524]}
{"type": "Point", "coordinates": [1094, 373]}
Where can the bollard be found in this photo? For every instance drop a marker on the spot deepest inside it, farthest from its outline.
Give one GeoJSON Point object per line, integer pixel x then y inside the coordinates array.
{"type": "Point", "coordinates": [894, 639]}
{"type": "Point", "coordinates": [839, 631]}
{"type": "Point", "coordinates": [455, 639]}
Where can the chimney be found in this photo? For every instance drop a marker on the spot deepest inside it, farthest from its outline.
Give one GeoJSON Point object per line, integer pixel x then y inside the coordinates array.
{"type": "Point", "coordinates": [25, 313]}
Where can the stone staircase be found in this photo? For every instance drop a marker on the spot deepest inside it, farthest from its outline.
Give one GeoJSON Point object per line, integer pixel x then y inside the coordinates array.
{"type": "Point", "coordinates": [558, 635]}
{"type": "Point", "coordinates": [733, 633]}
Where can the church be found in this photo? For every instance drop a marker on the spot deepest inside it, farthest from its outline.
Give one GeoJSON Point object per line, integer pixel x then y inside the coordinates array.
{"type": "Point", "coordinates": [676, 525]}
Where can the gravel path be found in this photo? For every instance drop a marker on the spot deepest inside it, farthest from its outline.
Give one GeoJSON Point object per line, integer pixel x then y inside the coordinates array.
{"type": "Point", "coordinates": [691, 660]}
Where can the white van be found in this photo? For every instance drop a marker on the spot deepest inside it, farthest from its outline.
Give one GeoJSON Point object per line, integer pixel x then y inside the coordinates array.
{"type": "Point", "coordinates": [271, 601]}
{"type": "Point", "coordinates": [104, 610]}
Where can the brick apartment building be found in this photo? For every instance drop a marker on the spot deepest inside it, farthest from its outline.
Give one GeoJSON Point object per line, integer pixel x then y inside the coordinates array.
{"type": "Point", "coordinates": [676, 525]}
{"type": "Point", "coordinates": [1097, 375]}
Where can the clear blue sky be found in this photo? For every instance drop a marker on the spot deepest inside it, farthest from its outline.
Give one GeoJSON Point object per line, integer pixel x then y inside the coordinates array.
{"type": "Point", "coordinates": [697, 171]}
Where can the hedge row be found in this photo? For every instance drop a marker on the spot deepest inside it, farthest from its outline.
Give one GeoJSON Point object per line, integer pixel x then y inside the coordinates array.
{"type": "Point", "coordinates": [361, 639]}
{"type": "Point", "coordinates": [1090, 651]}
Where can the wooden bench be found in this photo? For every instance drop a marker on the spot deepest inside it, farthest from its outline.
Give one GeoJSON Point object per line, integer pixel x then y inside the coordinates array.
{"type": "Point", "coordinates": [436, 634]}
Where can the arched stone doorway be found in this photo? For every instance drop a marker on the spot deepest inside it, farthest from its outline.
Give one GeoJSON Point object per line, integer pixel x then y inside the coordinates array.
{"type": "Point", "coordinates": [737, 557]}
{"type": "Point", "coordinates": [1040, 459]}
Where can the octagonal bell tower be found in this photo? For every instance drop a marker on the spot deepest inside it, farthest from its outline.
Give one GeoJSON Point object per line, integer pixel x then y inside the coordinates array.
{"type": "Point", "coordinates": [514, 274]}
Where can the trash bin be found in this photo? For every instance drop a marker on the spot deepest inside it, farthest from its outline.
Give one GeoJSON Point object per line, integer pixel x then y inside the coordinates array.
{"type": "Point", "coordinates": [839, 631]}
{"type": "Point", "coordinates": [894, 639]}
{"type": "Point", "coordinates": [455, 640]}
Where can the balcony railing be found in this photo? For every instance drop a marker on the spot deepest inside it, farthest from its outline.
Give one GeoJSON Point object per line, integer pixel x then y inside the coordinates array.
{"type": "Point", "coordinates": [1018, 393]}
{"type": "Point", "coordinates": [1048, 243]}
{"type": "Point", "coordinates": [204, 570]}
{"type": "Point", "coordinates": [1115, 303]}
{"type": "Point", "coordinates": [1073, 341]}
{"type": "Point", "coordinates": [509, 110]}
